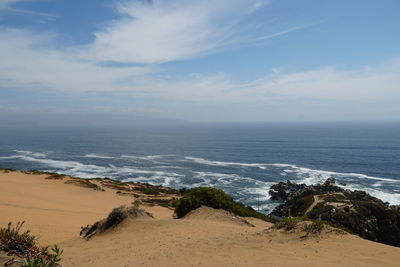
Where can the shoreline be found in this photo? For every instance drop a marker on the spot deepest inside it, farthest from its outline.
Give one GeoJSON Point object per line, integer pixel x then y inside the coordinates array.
{"type": "Point", "coordinates": [55, 210]}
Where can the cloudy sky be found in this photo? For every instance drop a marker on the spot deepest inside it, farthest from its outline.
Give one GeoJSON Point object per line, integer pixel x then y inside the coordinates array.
{"type": "Point", "coordinates": [199, 60]}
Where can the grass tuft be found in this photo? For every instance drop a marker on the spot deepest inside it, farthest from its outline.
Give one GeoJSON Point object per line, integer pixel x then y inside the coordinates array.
{"type": "Point", "coordinates": [315, 227]}
{"type": "Point", "coordinates": [289, 223]}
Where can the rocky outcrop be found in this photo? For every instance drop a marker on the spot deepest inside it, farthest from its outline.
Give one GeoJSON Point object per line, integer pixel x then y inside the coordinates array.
{"type": "Point", "coordinates": [357, 211]}
{"type": "Point", "coordinates": [283, 191]}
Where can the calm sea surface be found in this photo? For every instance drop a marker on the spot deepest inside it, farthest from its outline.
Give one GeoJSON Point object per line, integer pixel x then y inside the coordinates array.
{"type": "Point", "coordinates": [245, 160]}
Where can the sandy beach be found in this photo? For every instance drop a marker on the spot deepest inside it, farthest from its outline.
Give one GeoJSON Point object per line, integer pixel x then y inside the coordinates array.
{"type": "Point", "coordinates": [55, 212]}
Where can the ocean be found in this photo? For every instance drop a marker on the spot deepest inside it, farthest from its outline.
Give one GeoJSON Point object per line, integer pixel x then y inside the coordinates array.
{"type": "Point", "coordinates": [242, 159]}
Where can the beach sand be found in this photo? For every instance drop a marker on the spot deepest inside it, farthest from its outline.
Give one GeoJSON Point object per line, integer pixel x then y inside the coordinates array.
{"type": "Point", "coordinates": [55, 212]}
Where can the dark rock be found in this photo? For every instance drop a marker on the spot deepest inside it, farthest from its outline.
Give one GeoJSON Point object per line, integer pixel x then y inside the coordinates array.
{"type": "Point", "coordinates": [282, 191]}
{"type": "Point", "coordinates": [329, 182]}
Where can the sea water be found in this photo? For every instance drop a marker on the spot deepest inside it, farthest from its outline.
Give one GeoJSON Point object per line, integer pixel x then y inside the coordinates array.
{"type": "Point", "coordinates": [242, 159]}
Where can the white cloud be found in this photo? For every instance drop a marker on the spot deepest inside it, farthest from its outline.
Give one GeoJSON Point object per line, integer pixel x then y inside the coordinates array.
{"type": "Point", "coordinates": [373, 83]}
{"type": "Point", "coordinates": [176, 30]}
{"type": "Point", "coordinates": [27, 61]}
{"type": "Point", "coordinates": [7, 6]}
{"type": "Point", "coordinates": [367, 83]}
{"type": "Point", "coordinates": [163, 31]}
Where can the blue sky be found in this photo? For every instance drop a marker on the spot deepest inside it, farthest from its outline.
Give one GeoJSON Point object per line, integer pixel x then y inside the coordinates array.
{"type": "Point", "coordinates": [187, 60]}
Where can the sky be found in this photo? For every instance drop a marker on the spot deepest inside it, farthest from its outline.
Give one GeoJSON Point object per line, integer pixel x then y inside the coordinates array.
{"type": "Point", "coordinates": [128, 61]}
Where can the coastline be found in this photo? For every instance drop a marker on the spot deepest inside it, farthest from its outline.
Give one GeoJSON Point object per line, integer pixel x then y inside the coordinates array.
{"type": "Point", "coordinates": [55, 211]}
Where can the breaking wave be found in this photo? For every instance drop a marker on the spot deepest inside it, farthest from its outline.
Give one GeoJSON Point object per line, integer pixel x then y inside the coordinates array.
{"type": "Point", "coordinates": [225, 164]}
{"type": "Point", "coordinates": [96, 156]}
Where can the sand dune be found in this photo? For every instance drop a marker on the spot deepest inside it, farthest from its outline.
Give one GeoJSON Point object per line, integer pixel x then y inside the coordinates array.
{"type": "Point", "coordinates": [205, 237]}
{"type": "Point", "coordinates": [209, 242]}
{"type": "Point", "coordinates": [53, 210]}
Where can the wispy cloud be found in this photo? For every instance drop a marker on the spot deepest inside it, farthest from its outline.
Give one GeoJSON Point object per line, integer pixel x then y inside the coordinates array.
{"type": "Point", "coordinates": [28, 62]}
{"type": "Point", "coordinates": [8, 6]}
{"type": "Point", "coordinates": [175, 30]}
{"type": "Point", "coordinates": [29, 12]}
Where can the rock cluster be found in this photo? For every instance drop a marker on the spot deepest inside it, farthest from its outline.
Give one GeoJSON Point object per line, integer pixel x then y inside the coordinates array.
{"type": "Point", "coordinates": [357, 211]}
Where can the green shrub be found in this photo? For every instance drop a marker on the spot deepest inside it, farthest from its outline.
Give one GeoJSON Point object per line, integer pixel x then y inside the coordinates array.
{"type": "Point", "coordinates": [315, 227]}
{"type": "Point", "coordinates": [136, 203]}
{"type": "Point", "coordinates": [149, 190]}
{"type": "Point", "coordinates": [55, 176]}
{"type": "Point", "coordinates": [84, 183]}
{"type": "Point", "coordinates": [247, 211]}
{"type": "Point", "coordinates": [207, 196]}
{"type": "Point", "coordinates": [46, 259]}
{"type": "Point", "coordinates": [214, 198]}
{"type": "Point", "coordinates": [288, 223]}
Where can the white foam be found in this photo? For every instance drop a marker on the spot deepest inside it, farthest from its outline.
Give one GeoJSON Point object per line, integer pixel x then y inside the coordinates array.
{"type": "Point", "coordinates": [321, 176]}
{"type": "Point", "coordinates": [30, 153]}
{"type": "Point", "coordinates": [167, 167]}
{"type": "Point", "coordinates": [150, 157]}
{"type": "Point", "coordinates": [89, 170]}
{"type": "Point", "coordinates": [10, 157]}
{"type": "Point", "coordinates": [225, 163]}
{"type": "Point", "coordinates": [392, 198]}
{"type": "Point", "coordinates": [126, 170]}
{"type": "Point", "coordinates": [97, 156]}
{"type": "Point", "coordinates": [156, 180]}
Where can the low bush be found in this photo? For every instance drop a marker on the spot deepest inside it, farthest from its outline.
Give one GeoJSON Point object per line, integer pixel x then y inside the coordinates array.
{"type": "Point", "coordinates": [207, 196]}
{"type": "Point", "coordinates": [214, 198]}
{"type": "Point", "coordinates": [84, 183]}
{"type": "Point", "coordinates": [136, 203]}
{"type": "Point", "coordinates": [247, 211]}
{"type": "Point", "coordinates": [116, 217]}
{"type": "Point", "coordinates": [166, 203]}
{"type": "Point", "coordinates": [55, 176]}
{"type": "Point", "coordinates": [288, 223]}
{"type": "Point", "coordinates": [148, 190]}
{"type": "Point", "coordinates": [7, 170]}
{"type": "Point", "coordinates": [46, 259]}
{"type": "Point", "coordinates": [13, 241]}
{"type": "Point", "coordinates": [23, 245]}
{"type": "Point", "coordinates": [315, 227]}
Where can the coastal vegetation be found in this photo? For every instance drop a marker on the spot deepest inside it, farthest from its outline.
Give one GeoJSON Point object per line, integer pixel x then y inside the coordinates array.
{"type": "Point", "coordinates": [24, 246]}
{"type": "Point", "coordinates": [309, 226]}
{"type": "Point", "coordinates": [214, 198]}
